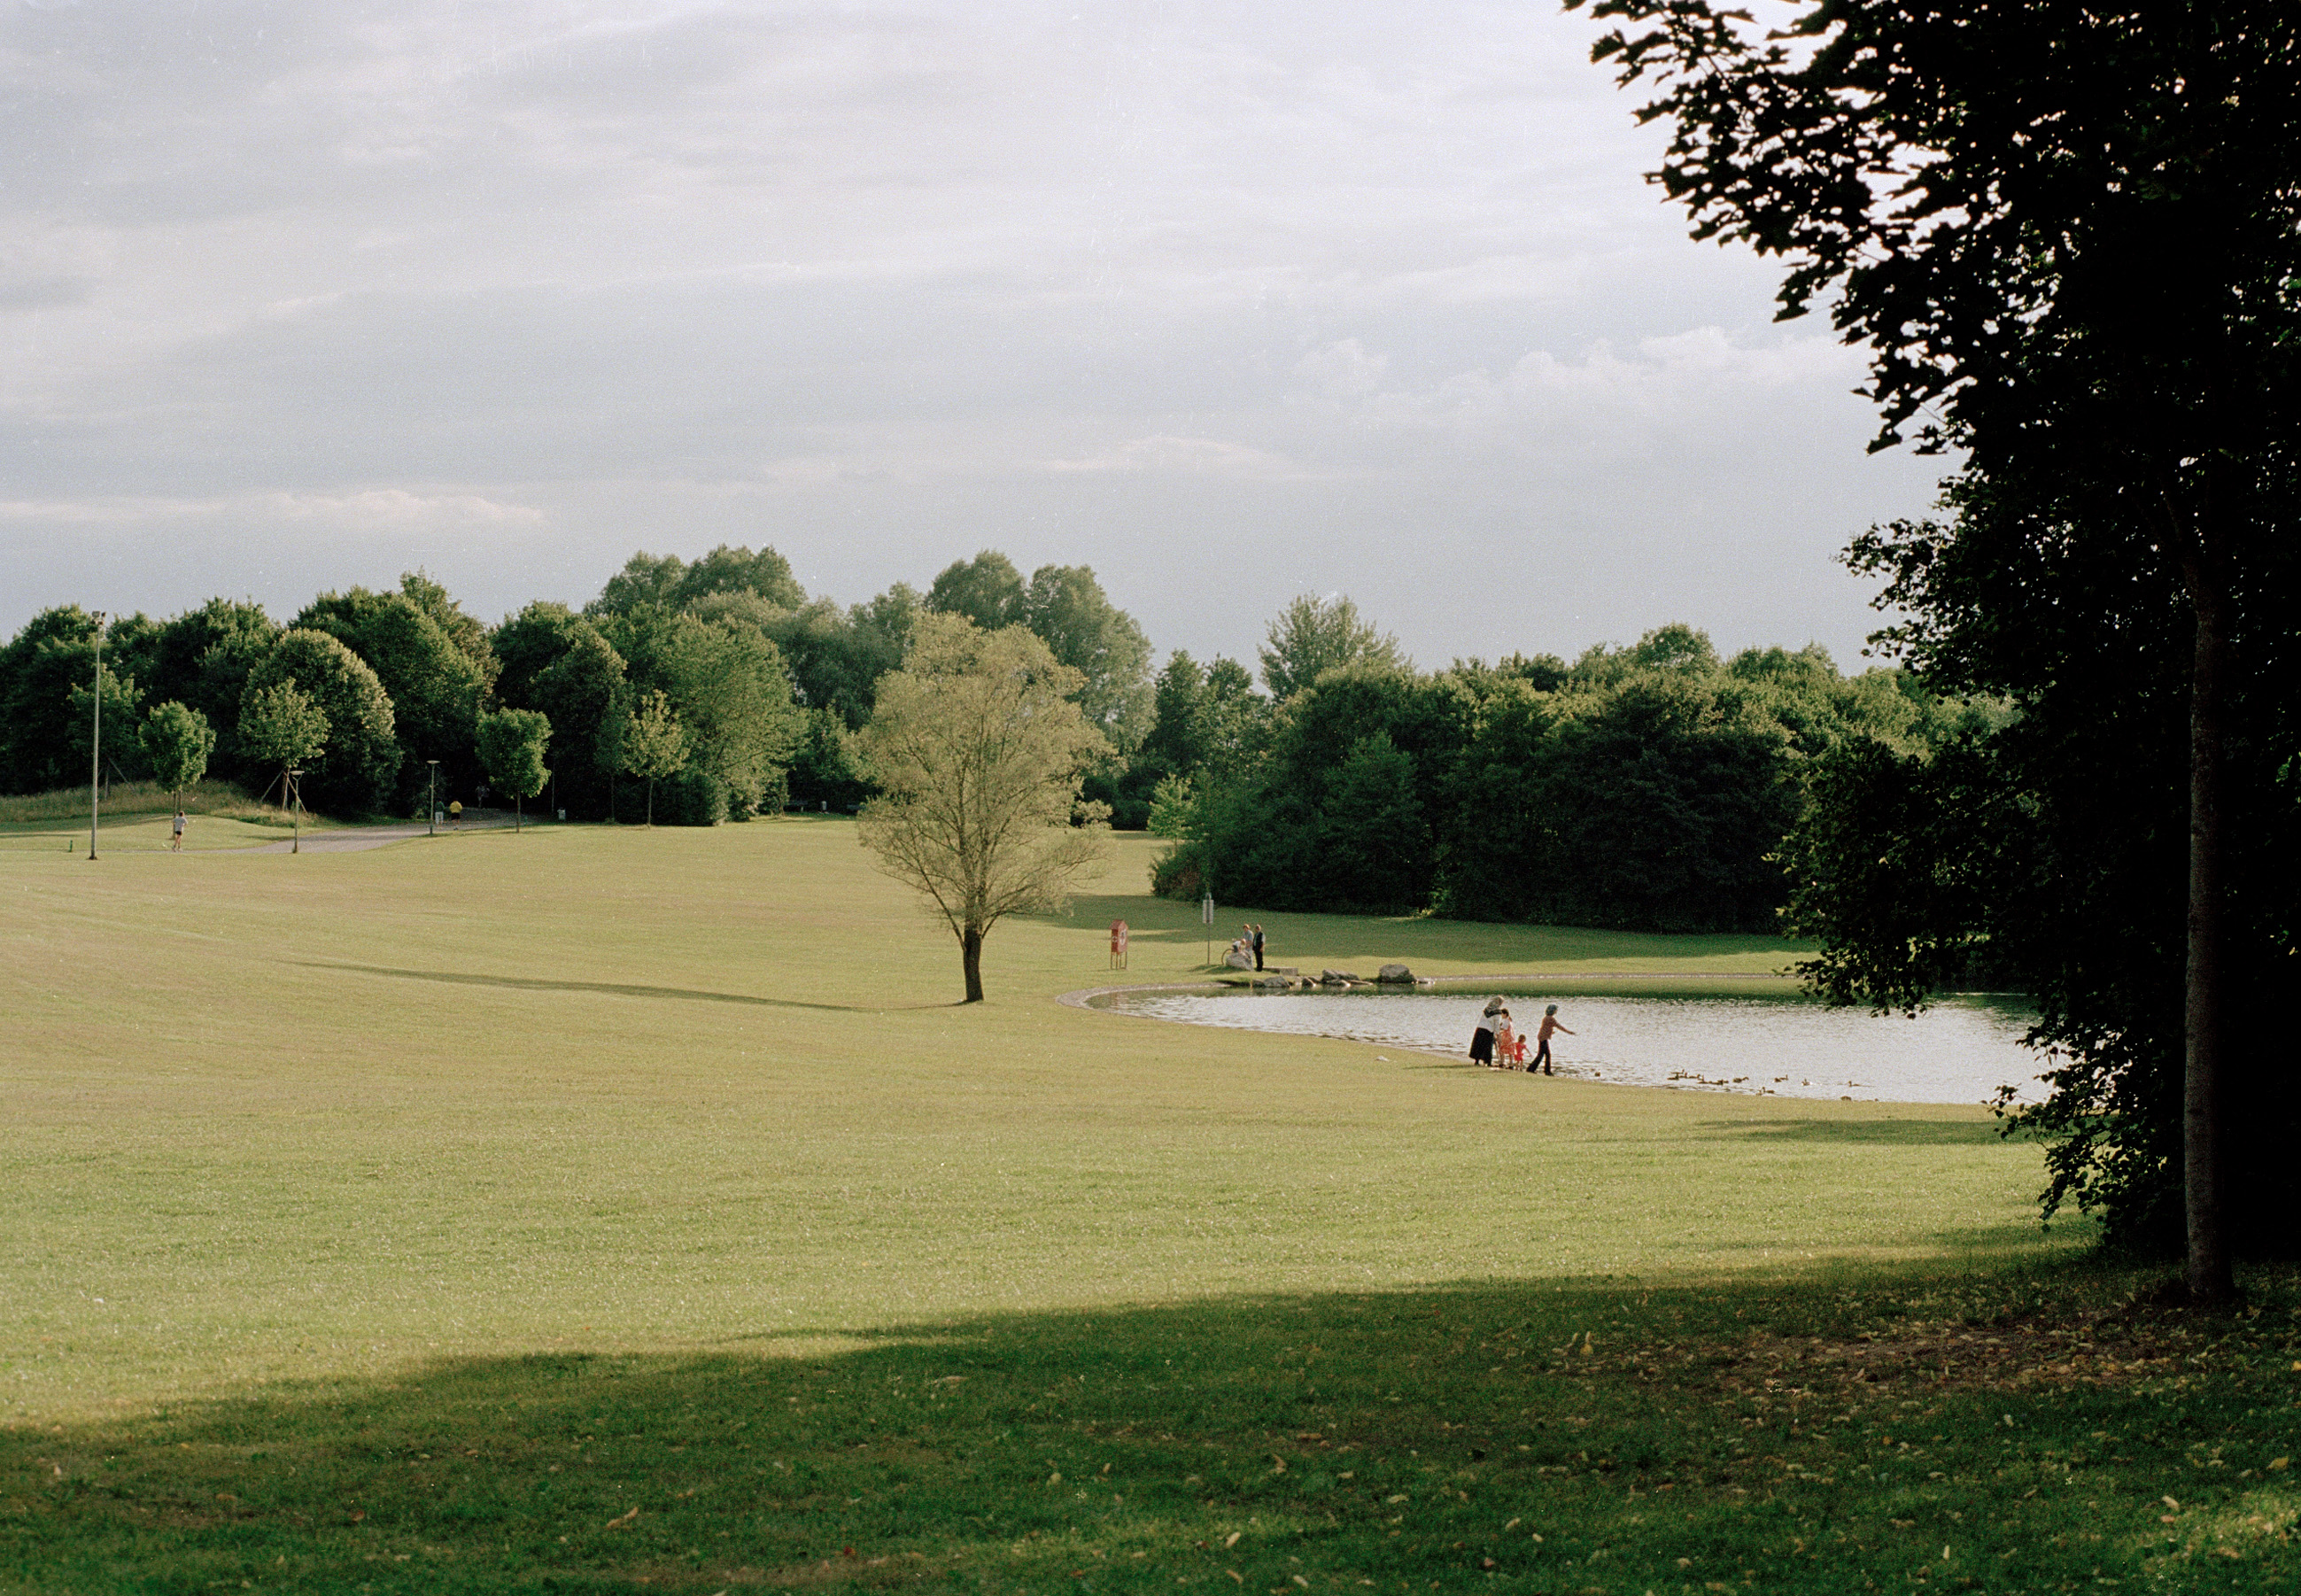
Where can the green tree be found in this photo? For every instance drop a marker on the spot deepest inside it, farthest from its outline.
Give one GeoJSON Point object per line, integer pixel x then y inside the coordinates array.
{"type": "Point", "coordinates": [511, 752]}
{"type": "Point", "coordinates": [1067, 608]}
{"type": "Point", "coordinates": [1374, 851]}
{"type": "Point", "coordinates": [354, 769]}
{"type": "Point", "coordinates": [283, 729]}
{"type": "Point", "coordinates": [725, 679]}
{"type": "Point", "coordinates": [645, 579]}
{"type": "Point", "coordinates": [123, 753]}
{"type": "Point", "coordinates": [1174, 806]}
{"type": "Point", "coordinates": [978, 750]}
{"type": "Point", "coordinates": [53, 653]}
{"type": "Point", "coordinates": [2067, 237]}
{"type": "Point", "coordinates": [652, 744]}
{"type": "Point", "coordinates": [558, 663]}
{"type": "Point", "coordinates": [1313, 636]}
{"type": "Point", "coordinates": [434, 685]}
{"type": "Point", "coordinates": [766, 576]}
{"type": "Point", "coordinates": [465, 631]}
{"type": "Point", "coordinates": [986, 590]}
{"type": "Point", "coordinates": [201, 659]}
{"type": "Point", "coordinates": [177, 743]}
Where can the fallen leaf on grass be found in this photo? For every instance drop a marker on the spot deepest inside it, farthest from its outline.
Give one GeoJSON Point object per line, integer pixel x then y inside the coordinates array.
{"type": "Point", "coordinates": [1236, 1575]}
{"type": "Point", "coordinates": [616, 1523]}
{"type": "Point", "coordinates": [1233, 1540]}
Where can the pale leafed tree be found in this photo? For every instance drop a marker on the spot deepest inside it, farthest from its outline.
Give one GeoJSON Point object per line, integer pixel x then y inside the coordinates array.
{"type": "Point", "coordinates": [1313, 635]}
{"type": "Point", "coordinates": [281, 727]}
{"type": "Point", "coordinates": [978, 751]}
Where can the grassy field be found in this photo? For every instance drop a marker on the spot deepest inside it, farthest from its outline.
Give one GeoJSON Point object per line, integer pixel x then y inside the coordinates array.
{"type": "Point", "coordinates": [136, 819]}
{"type": "Point", "coordinates": [632, 1210]}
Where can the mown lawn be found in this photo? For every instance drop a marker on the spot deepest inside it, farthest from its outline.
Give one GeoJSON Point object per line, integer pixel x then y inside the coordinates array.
{"type": "Point", "coordinates": [624, 1210]}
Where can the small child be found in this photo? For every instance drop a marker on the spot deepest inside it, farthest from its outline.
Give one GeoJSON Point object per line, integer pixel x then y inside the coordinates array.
{"type": "Point", "coordinates": [1518, 1049]}
{"type": "Point", "coordinates": [1507, 1042]}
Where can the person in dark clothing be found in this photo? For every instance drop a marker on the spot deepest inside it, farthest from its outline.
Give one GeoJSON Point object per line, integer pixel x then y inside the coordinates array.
{"type": "Point", "coordinates": [1482, 1039]}
{"type": "Point", "coordinates": [1258, 946]}
{"type": "Point", "coordinates": [1542, 1040]}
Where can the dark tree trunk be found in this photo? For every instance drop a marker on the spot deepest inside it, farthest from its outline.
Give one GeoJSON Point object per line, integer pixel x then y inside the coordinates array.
{"type": "Point", "coordinates": [2208, 1274]}
{"type": "Point", "coordinates": [970, 959]}
{"type": "Point", "coordinates": [650, 803]}
{"type": "Point", "coordinates": [518, 813]}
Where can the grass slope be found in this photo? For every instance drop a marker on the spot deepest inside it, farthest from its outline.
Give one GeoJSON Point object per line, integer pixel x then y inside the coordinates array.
{"type": "Point", "coordinates": [404, 1220]}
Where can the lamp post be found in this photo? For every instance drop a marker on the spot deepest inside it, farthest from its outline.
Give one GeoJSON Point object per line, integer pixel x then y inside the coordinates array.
{"type": "Point", "coordinates": [95, 742]}
{"type": "Point", "coordinates": [431, 809]}
{"type": "Point", "coordinates": [295, 812]}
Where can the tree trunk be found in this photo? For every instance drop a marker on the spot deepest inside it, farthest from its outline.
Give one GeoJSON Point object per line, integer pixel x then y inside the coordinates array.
{"type": "Point", "coordinates": [2208, 1276]}
{"type": "Point", "coordinates": [970, 959]}
{"type": "Point", "coordinates": [650, 803]}
{"type": "Point", "coordinates": [518, 813]}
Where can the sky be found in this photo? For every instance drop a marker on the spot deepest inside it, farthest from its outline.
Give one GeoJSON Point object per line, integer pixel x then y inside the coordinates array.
{"type": "Point", "coordinates": [1230, 302]}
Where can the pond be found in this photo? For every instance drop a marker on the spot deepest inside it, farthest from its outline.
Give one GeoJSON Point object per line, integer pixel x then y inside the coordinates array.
{"type": "Point", "coordinates": [1768, 1042]}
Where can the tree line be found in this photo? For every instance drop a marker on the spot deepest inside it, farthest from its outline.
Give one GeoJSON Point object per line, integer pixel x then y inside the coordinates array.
{"type": "Point", "coordinates": [690, 693]}
{"type": "Point", "coordinates": [1646, 786]}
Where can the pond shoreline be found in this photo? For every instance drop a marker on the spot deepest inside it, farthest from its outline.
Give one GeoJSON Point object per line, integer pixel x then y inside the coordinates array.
{"type": "Point", "coordinates": [1741, 1033]}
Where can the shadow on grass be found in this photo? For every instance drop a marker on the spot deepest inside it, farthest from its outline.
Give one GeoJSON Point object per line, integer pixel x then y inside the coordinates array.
{"type": "Point", "coordinates": [1557, 1435]}
{"type": "Point", "coordinates": [1883, 1131]}
{"type": "Point", "coordinates": [612, 989]}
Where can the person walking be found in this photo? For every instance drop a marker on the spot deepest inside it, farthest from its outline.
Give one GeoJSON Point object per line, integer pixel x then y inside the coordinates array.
{"type": "Point", "coordinates": [1542, 1040]}
{"type": "Point", "coordinates": [176, 840]}
{"type": "Point", "coordinates": [1258, 946]}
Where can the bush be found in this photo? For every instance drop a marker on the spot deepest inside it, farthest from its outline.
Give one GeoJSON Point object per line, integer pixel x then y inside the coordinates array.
{"type": "Point", "coordinates": [692, 797]}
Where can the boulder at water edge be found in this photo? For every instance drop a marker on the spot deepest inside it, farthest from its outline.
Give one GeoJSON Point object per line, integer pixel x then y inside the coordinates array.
{"type": "Point", "coordinates": [1394, 975]}
{"type": "Point", "coordinates": [1335, 978]}
{"type": "Point", "coordinates": [1239, 961]}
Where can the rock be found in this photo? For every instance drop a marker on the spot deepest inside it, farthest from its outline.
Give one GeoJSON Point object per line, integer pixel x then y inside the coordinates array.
{"type": "Point", "coordinates": [1394, 975]}
{"type": "Point", "coordinates": [1276, 984]}
{"type": "Point", "coordinates": [1335, 978]}
{"type": "Point", "coordinates": [1239, 961]}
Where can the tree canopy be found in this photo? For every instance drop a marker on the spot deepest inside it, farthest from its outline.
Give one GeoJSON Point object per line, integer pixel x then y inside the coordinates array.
{"type": "Point", "coordinates": [1313, 636]}
{"type": "Point", "coordinates": [352, 769]}
{"type": "Point", "coordinates": [2068, 236]}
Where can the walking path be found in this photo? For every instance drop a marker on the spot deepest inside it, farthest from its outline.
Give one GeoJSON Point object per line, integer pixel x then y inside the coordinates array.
{"type": "Point", "coordinates": [353, 840]}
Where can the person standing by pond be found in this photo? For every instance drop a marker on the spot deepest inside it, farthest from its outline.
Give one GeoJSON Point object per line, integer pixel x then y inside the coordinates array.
{"type": "Point", "coordinates": [1257, 930]}
{"type": "Point", "coordinates": [1542, 1040]}
{"type": "Point", "coordinates": [1482, 1039]}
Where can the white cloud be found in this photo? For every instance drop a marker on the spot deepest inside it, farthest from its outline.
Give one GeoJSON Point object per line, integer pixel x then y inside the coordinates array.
{"type": "Point", "coordinates": [299, 294]}
{"type": "Point", "coordinates": [1197, 455]}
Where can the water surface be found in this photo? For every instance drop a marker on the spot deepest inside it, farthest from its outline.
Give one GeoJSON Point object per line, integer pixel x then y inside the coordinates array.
{"type": "Point", "coordinates": [1775, 1043]}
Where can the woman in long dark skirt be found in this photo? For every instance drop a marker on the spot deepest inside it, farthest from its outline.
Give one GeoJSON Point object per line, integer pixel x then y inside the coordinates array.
{"type": "Point", "coordinates": [1482, 1039]}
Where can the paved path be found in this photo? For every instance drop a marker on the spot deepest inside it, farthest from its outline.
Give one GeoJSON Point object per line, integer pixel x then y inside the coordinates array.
{"type": "Point", "coordinates": [359, 838]}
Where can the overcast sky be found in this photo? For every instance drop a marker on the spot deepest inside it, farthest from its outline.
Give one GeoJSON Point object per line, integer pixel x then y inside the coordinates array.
{"type": "Point", "coordinates": [1230, 302]}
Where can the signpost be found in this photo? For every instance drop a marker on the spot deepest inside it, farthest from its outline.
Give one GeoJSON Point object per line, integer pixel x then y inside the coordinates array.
{"type": "Point", "coordinates": [1118, 944]}
{"type": "Point", "coordinates": [1206, 919]}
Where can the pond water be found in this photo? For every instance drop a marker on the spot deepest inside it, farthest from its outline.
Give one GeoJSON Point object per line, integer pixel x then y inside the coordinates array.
{"type": "Point", "coordinates": [1960, 1051]}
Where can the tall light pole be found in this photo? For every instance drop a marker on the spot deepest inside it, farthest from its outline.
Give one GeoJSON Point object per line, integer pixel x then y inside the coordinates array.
{"type": "Point", "coordinates": [95, 742]}
{"type": "Point", "coordinates": [431, 809]}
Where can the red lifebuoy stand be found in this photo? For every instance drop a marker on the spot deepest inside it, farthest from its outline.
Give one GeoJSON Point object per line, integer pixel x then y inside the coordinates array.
{"type": "Point", "coordinates": [1118, 944]}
